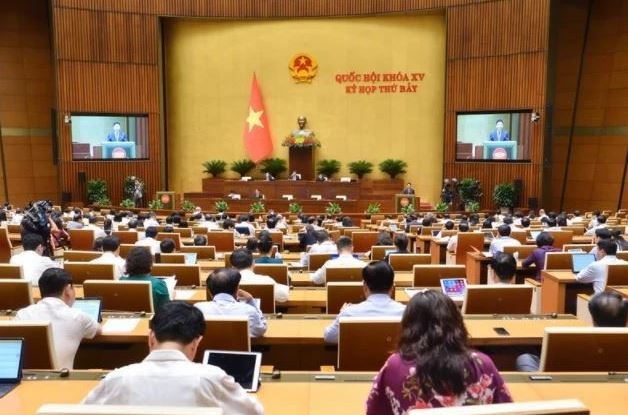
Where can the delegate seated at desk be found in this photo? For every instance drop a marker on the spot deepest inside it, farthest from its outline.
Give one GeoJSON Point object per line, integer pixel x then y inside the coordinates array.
{"type": "Point", "coordinates": [242, 260]}
{"type": "Point", "coordinates": [345, 260]}
{"type": "Point", "coordinates": [117, 134]}
{"type": "Point", "coordinates": [378, 284]}
{"type": "Point", "coordinates": [597, 272]}
{"type": "Point", "coordinates": [168, 376]}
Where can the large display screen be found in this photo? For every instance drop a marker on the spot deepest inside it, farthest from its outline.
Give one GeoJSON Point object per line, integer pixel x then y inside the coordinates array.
{"type": "Point", "coordinates": [109, 137]}
{"type": "Point", "coordinates": [494, 136]}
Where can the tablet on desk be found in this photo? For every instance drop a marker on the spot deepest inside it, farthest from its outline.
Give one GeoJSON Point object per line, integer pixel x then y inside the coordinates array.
{"type": "Point", "coordinates": [244, 367]}
{"type": "Point", "coordinates": [11, 351]}
{"type": "Point", "coordinates": [581, 261]}
{"type": "Point", "coordinates": [535, 234]}
{"type": "Point", "coordinates": [454, 288]}
{"type": "Point", "coordinates": [90, 306]}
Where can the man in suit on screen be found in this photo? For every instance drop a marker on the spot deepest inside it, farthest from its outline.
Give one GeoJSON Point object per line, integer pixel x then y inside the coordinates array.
{"type": "Point", "coordinates": [499, 134]}
{"type": "Point", "coordinates": [117, 134]}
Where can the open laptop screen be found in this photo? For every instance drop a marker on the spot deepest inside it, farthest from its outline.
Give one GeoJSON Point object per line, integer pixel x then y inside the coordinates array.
{"type": "Point", "coordinates": [90, 306]}
{"type": "Point", "coordinates": [11, 360]}
{"type": "Point", "coordinates": [243, 366]}
{"type": "Point", "coordinates": [581, 261]}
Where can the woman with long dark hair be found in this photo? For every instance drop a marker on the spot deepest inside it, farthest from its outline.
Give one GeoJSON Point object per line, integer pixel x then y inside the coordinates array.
{"type": "Point", "coordinates": [433, 366]}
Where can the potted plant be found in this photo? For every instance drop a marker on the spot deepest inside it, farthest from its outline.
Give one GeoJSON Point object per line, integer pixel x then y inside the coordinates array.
{"type": "Point", "coordinates": [127, 204]}
{"type": "Point", "coordinates": [242, 167]}
{"type": "Point", "coordinates": [504, 195]}
{"type": "Point", "coordinates": [328, 167]}
{"type": "Point", "coordinates": [221, 206]}
{"type": "Point", "coordinates": [333, 208]}
{"type": "Point", "coordinates": [360, 168]}
{"type": "Point", "coordinates": [103, 201]}
{"type": "Point", "coordinates": [393, 167]}
{"type": "Point", "coordinates": [96, 191]}
{"type": "Point", "coordinates": [373, 208]}
{"type": "Point", "coordinates": [473, 207]}
{"type": "Point", "coordinates": [408, 209]}
{"type": "Point", "coordinates": [215, 167]}
{"type": "Point", "coordinates": [187, 206]}
{"type": "Point", "coordinates": [470, 191]}
{"type": "Point", "coordinates": [274, 166]}
{"type": "Point", "coordinates": [155, 204]}
{"type": "Point", "coordinates": [442, 207]}
{"type": "Point", "coordinates": [257, 207]}
{"type": "Point", "coordinates": [295, 208]}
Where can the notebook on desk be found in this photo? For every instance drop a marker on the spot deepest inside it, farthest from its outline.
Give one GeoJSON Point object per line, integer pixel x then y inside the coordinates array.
{"type": "Point", "coordinates": [11, 351]}
{"type": "Point", "coordinates": [244, 367]}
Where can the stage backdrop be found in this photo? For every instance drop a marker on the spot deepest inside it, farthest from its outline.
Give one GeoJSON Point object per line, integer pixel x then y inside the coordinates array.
{"type": "Point", "coordinates": [208, 70]}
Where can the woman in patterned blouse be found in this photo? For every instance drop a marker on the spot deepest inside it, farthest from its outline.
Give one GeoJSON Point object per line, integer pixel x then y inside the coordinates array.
{"type": "Point", "coordinates": [433, 366]}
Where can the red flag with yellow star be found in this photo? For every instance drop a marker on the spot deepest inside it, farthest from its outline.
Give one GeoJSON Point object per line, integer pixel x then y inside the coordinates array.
{"type": "Point", "coordinates": [257, 141]}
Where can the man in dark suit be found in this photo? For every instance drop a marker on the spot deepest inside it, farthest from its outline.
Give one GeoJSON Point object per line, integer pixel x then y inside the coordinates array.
{"type": "Point", "coordinates": [499, 134]}
{"type": "Point", "coordinates": [117, 134]}
{"type": "Point", "coordinates": [408, 190]}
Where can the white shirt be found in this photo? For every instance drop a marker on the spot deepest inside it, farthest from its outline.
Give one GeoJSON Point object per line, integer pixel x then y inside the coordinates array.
{"type": "Point", "coordinates": [452, 244]}
{"type": "Point", "coordinates": [591, 232]}
{"type": "Point", "coordinates": [69, 326]}
{"type": "Point", "coordinates": [98, 232]}
{"type": "Point", "coordinates": [33, 265]}
{"type": "Point", "coordinates": [226, 305]}
{"type": "Point", "coordinates": [498, 244]}
{"type": "Point", "coordinates": [248, 225]}
{"type": "Point", "coordinates": [379, 305]}
{"type": "Point", "coordinates": [16, 219]}
{"type": "Point", "coordinates": [597, 272]}
{"type": "Point", "coordinates": [327, 247]}
{"type": "Point", "coordinates": [119, 264]}
{"type": "Point", "coordinates": [249, 277]}
{"type": "Point", "coordinates": [168, 378]}
{"type": "Point", "coordinates": [343, 261]}
{"type": "Point", "coordinates": [150, 222]}
{"type": "Point", "coordinates": [152, 243]}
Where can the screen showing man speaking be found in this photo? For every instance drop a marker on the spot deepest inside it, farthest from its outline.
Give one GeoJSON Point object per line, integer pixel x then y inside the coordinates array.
{"type": "Point", "coordinates": [105, 137]}
{"type": "Point", "coordinates": [493, 136]}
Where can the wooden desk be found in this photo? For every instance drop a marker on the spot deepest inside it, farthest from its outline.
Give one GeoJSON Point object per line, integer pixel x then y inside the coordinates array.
{"type": "Point", "coordinates": [300, 393]}
{"type": "Point", "coordinates": [559, 290]}
{"type": "Point", "coordinates": [402, 279]}
{"type": "Point", "coordinates": [622, 290]}
{"type": "Point", "coordinates": [438, 250]}
{"type": "Point", "coordinates": [477, 269]}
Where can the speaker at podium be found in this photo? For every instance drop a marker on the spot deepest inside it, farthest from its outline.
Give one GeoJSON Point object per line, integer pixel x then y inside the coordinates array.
{"type": "Point", "coordinates": [500, 150]}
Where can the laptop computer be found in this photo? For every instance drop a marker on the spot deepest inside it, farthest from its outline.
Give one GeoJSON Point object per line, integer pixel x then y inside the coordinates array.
{"type": "Point", "coordinates": [244, 367]}
{"type": "Point", "coordinates": [581, 261]}
{"type": "Point", "coordinates": [243, 230]}
{"type": "Point", "coordinates": [190, 258]}
{"type": "Point", "coordinates": [454, 288]}
{"type": "Point", "coordinates": [535, 234]}
{"type": "Point", "coordinates": [11, 353]}
{"type": "Point", "coordinates": [92, 306]}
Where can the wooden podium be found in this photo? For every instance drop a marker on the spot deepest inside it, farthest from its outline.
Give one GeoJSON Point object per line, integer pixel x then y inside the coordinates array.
{"type": "Point", "coordinates": [301, 159]}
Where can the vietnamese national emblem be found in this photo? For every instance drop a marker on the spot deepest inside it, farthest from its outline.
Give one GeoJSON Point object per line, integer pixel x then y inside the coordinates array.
{"type": "Point", "coordinates": [303, 68]}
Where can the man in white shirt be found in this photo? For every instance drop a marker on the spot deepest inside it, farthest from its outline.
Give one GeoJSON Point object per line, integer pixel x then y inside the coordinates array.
{"type": "Point", "coordinates": [378, 284]}
{"type": "Point", "coordinates": [69, 326]}
{"type": "Point", "coordinates": [229, 300]}
{"type": "Point", "coordinates": [601, 223]}
{"type": "Point", "coordinates": [111, 255]}
{"type": "Point", "coordinates": [504, 239]}
{"type": "Point", "coordinates": [31, 260]}
{"type": "Point", "coordinates": [98, 231]}
{"type": "Point", "coordinates": [244, 223]}
{"type": "Point", "coordinates": [345, 260]}
{"type": "Point", "coordinates": [242, 260]}
{"type": "Point", "coordinates": [151, 221]}
{"type": "Point", "coordinates": [505, 268]}
{"type": "Point", "coordinates": [452, 245]}
{"type": "Point", "coordinates": [323, 245]}
{"type": "Point", "coordinates": [17, 217]}
{"type": "Point", "coordinates": [150, 241]}
{"type": "Point", "coordinates": [168, 376]}
{"type": "Point", "coordinates": [597, 272]}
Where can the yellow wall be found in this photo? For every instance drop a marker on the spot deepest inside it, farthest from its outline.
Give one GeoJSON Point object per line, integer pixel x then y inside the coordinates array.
{"type": "Point", "coordinates": [209, 65]}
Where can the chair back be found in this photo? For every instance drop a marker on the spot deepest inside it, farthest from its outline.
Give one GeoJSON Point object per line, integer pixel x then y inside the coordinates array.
{"type": "Point", "coordinates": [278, 272]}
{"type": "Point", "coordinates": [343, 274]}
{"type": "Point", "coordinates": [81, 271]}
{"type": "Point", "coordinates": [170, 235]}
{"type": "Point", "coordinates": [553, 407]}
{"type": "Point", "coordinates": [185, 274]}
{"type": "Point", "coordinates": [222, 240]}
{"type": "Point", "coordinates": [126, 237]}
{"type": "Point", "coordinates": [317, 260]}
{"type": "Point", "coordinates": [617, 274]}
{"type": "Point", "coordinates": [10, 271]}
{"type": "Point", "coordinates": [521, 236]}
{"type": "Point", "coordinates": [405, 262]}
{"type": "Point", "coordinates": [276, 237]}
{"type": "Point", "coordinates": [430, 275]}
{"type": "Point", "coordinates": [15, 294]}
{"type": "Point", "coordinates": [497, 299]}
{"type": "Point", "coordinates": [225, 333]}
{"type": "Point", "coordinates": [561, 238]}
{"type": "Point", "coordinates": [364, 343]}
{"type": "Point", "coordinates": [133, 296]}
{"type": "Point", "coordinates": [202, 252]}
{"type": "Point", "coordinates": [363, 241]}
{"type": "Point", "coordinates": [378, 252]}
{"type": "Point", "coordinates": [39, 352]}
{"type": "Point", "coordinates": [341, 293]}
{"type": "Point", "coordinates": [5, 246]}
{"type": "Point", "coordinates": [523, 250]}
{"type": "Point", "coordinates": [14, 228]}
{"type": "Point", "coordinates": [126, 248]}
{"type": "Point", "coordinates": [558, 260]}
{"type": "Point", "coordinates": [575, 229]}
{"type": "Point", "coordinates": [466, 242]}
{"type": "Point", "coordinates": [582, 247]}
{"type": "Point", "coordinates": [266, 294]}
{"type": "Point", "coordinates": [183, 232]}
{"type": "Point", "coordinates": [82, 239]}
{"type": "Point", "coordinates": [172, 258]}
{"type": "Point", "coordinates": [80, 256]}
{"type": "Point", "coordinates": [584, 349]}
{"type": "Point", "coordinates": [623, 255]}
{"type": "Point", "coordinates": [82, 409]}
{"type": "Point", "coordinates": [199, 230]}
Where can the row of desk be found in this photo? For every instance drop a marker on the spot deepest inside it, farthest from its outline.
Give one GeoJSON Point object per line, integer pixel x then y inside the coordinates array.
{"type": "Point", "coordinates": [301, 393]}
